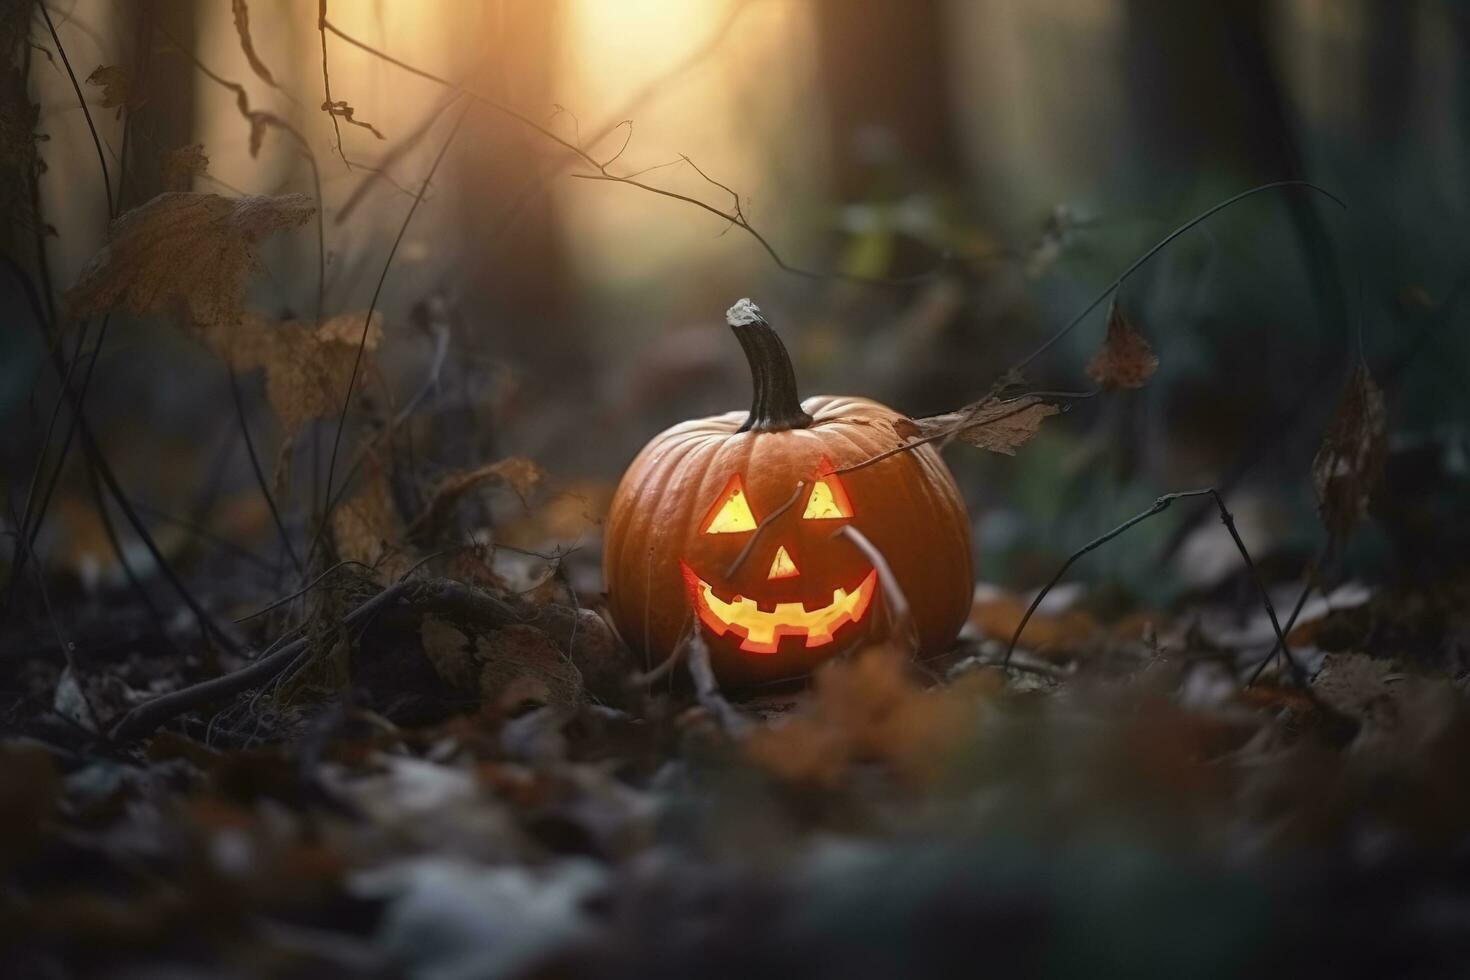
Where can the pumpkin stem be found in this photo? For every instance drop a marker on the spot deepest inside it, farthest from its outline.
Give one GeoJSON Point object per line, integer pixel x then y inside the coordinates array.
{"type": "Point", "coordinates": [775, 406]}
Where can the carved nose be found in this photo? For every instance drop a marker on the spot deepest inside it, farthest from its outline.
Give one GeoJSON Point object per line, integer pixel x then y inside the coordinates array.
{"type": "Point", "coordinates": [782, 566]}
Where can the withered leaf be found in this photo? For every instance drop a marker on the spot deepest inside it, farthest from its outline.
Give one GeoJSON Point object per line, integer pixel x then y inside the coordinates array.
{"type": "Point", "coordinates": [518, 473]}
{"type": "Point", "coordinates": [365, 526]}
{"type": "Point", "coordinates": [307, 367]}
{"type": "Point", "coordinates": [1350, 462]}
{"type": "Point", "coordinates": [242, 28]}
{"type": "Point", "coordinates": [182, 165]}
{"type": "Point", "coordinates": [116, 82]}
{"type": "Point", "coordinates": [521, 664]}
{"type": "Point", "coordinates": [1125, 360]}
{"type": "Point", "coordinates": [184, 250]}
{"type": "Point", "coordinates": [1000, 425]}
{"type": "Point", "coordinates": [449, 651]}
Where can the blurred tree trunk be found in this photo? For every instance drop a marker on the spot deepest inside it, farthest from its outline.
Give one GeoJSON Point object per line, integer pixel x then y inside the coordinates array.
{"type": "Point", "coordinates": [1388, 73]}
{"type": "Point", "coordinates": [1207, 97]}
{"type": "Point", "coordinates": [888, 104]}
{"type": "Point", "coordinates": [513, 246]}
{"type": "Point", "coordinates": [164, 121]}
{"type": "Point", "coordinates": [18, 222]}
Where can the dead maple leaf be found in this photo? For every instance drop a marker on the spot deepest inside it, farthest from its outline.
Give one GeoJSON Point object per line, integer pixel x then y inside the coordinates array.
{"type": "Point", "coordinates": [182, 165]}
{"type": "Point", "coordinates": [307, 367]}
{"type": "Point", "coordinates": [518, 473]}
{"type": "Point", "coordinates": [117, 85]}
{"type": "Point", "coordinates": [242, 28]}
{"type": "Point", "coordinates": [1125, 360]}
{"type": "Point", "coordinates": [1350, 462]}
{"type": "Point", "coordinates": [184, 250]}
{"type": "Point", "coordinates": [997, 424]}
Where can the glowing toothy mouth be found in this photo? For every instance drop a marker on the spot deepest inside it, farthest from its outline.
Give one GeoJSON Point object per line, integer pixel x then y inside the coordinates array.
{"type": "Point", "coordinates": [761, 629]}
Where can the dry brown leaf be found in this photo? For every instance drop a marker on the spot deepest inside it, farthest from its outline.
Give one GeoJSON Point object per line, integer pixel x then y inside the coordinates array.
{"type": "Point", "coordinates": [365, 525]}
{"type": "Point", "coordinates": [865, 710]}
{"type": "Point", "coordinates": [997, 617]}
{"type": "Point", "coordinates": [1350, 462]}
{"type": "Point", "coordinates": [999, 425]}
{"type": "Point", "coordinates": [449, 651]}
{"type": "Point", "coordinates": [1125, 360]}
{"type": "Point", "coordinates": [521, 664]}
{"type": "Point", "coordinates": [518, 473]}
{"type": "Point", "coordinates": [182, 165]}
{"type": "Point", "coordinates": [242, 28]}
{"type": "Point", "coordinates": [307, 367]}
{"type": "Point", "coordinates": [116, 83]}
{"type": "Point", "coordinates": [184, 250]}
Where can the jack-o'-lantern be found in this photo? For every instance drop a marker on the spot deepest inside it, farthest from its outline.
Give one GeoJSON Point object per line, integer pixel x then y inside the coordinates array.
{"type": "Point", "coordinates": [728, 525]}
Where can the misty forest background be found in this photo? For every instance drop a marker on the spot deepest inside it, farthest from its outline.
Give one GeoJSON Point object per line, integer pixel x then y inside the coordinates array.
{"type": "Point", "coordinates": [302, 667]}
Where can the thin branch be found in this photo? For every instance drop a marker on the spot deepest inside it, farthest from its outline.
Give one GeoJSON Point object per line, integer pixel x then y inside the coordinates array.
{"type": "Point", "coordinates": [260, 480]}
{"type": "Point", "coordinates": [367, 323]}
{"type": "Point", "coordinates": [600, 173]}
{"type": "Point", "coordinates": [1159, 506]}
{"type": "Point", "coordinates": [86, 112]}
{"type": "Point", "coordinates": [321, 26]}
{"type": "Point", "coordinates": [146, 717]}
{"type": "Point", "coordinates": [760, 528]}
{"type": "Point", "coordinates": [1159, 246]}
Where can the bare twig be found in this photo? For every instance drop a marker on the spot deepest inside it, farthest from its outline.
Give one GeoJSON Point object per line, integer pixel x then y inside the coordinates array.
{"type": "Point", "coordinates": [765, 523]}
{"type": "Point", "coordinates": [600, 172]}
{"type": "Point", "coordinates": [900, 619]}
{"type": "Point", "coordinates": [1158, 247]}
{"type": "Point", "coordinates": [260, 479]}
{"type": "Point", "coordinates": [86, 112]}
{"type": "Point", "coordinates": [321, 26]}
{"type": "Point", "coordinates": [1159, 506]}
{"type": "Point", "coordinates": [707, 689]}
{"type": "Point", "coordinates": [146, 717]}
{"type": "Point", "coordinates": [367, 323]}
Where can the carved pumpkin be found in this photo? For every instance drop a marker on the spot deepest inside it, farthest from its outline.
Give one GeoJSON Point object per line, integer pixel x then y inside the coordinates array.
{"type": "Point", "coordinates": [728, 523]}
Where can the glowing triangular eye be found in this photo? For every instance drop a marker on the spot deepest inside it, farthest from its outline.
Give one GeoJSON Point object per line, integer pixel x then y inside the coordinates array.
{"type": "Point", "coordinates": [782, 566]}
{"type": "Point", "coordinates": [731, 513]}
{"type": "Point", "coordinates": [828, 501]}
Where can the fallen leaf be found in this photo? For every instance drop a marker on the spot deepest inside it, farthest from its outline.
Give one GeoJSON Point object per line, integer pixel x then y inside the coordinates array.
{"type": "Point", "coordinates": [999, 425]}
{"type": "Point", "coordinates": [116, 83]}
{"type": "Point", "coordinates": [1125, 359]}
{"type": "Point", "coordinates": [518, 473]}
{"type": "Point", "coordinates": [869, 709]}
{"type": "Point", "coordinates": [522, 665]}
{"type": "Point", "coordinates": [307, 367]}
{"type": "Point", "coordinates": [1048, 634]}
{"type": "Point", "coordinates": [242, 28]}
{"type": "Point", "coordinates": [184, 250]}
{"type": "Point", "coordinates": [1350, 462]}
{"type": "Point", "coordinates": [365, 524]}
{"type": "Point", "coordinates": [182, 165]}
{"type": "Point", "coordinates": [450, 652]}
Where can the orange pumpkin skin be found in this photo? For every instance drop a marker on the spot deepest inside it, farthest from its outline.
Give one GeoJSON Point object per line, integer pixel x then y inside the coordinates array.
{"type": "Point", "coordinates": [658, 554]}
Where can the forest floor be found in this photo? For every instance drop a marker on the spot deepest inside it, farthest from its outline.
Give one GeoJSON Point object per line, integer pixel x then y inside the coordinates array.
{"type": "Point", "coordinates": [464, 781]}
